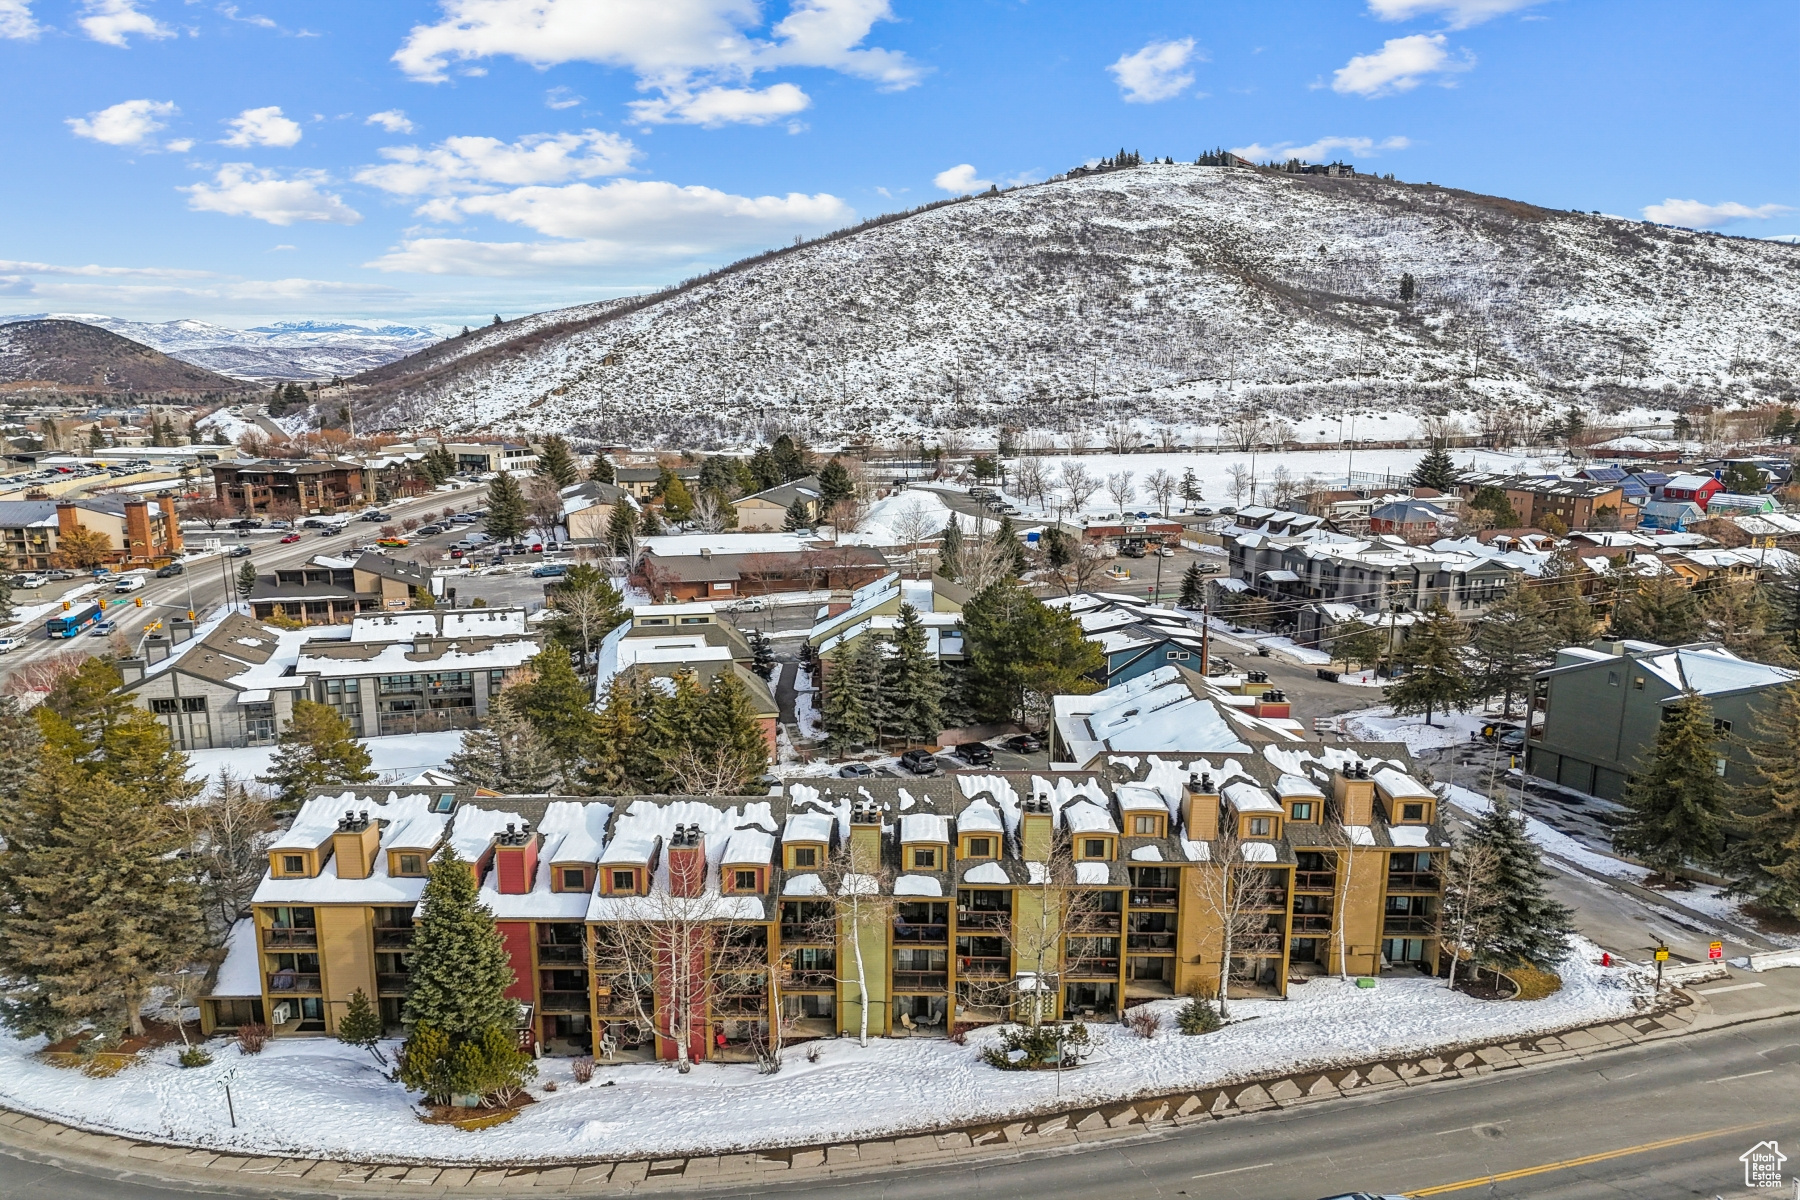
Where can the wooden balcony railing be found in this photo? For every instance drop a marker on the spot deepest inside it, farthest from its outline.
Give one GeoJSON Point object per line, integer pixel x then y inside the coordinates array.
{"type": "Point", "coordinates": [391, 983]}
{"type": "Point", "coordinates": [564, 1001]}
{"type": "Point", "coordinates": [292, 981]}
{"type": "Point", "coordinates": [921, 981]}
{"type": "Point", "coordinates": [1155, 897]}
{"type": "Point", "coordinates": [1150, 941]}
{"type": "Point", "coordinates": [1092, 968]}
{"type": "Point", "coordinates": [808, 979]}
{"type": "Point", "coordinates": [1315, 881]}
{"type": "Point", "coordinates": [1266, 899]}
{"type": "Point", "coordinates": [985, 968]}
{"type": "Point", "coordinates": [806, 935]}
{"type": "Point", "coordinates": [740, 1005]}
{"type": "Point", "coordinates": [983, 918]}
{"type": "Point", "coordinates": [1414, 881]}
{"type": "Point", "coordinates": [1408, 926]}
{"type": "Point", "coordinates": [1102, 922]}
{"type": "Point", "coordinates": [906, 931]}
{"type": "Point", "coordinates": [1306, 924]}
{"type": "Point", "coordinates": [549, 952]}
{"type": "Point", "coordinates": [288, 939]}
{"type": "Point", "coordinates": [393, 937]}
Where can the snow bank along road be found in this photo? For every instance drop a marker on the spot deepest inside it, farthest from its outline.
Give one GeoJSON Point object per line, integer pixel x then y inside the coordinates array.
{"type": "Point", "coordinates": [1665, 1118]}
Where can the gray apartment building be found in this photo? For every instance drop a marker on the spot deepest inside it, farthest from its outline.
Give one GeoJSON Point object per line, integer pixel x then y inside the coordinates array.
{"type": "Point", "coordinates": [1601, 706]}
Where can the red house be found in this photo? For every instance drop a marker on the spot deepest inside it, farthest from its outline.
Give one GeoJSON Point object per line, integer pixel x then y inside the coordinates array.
{"type": "Point", "coordinates": [1698, 488]}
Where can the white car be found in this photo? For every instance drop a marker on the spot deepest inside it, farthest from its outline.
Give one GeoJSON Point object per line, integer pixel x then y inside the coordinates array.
{"type": "Point", "coordinates": [130, 583]}
{"type": "Point", "coordinates": [30, 581]}
{"type": "Point", "coordinates": [748, 604]}
{"type": "Point", "coordinates": [10, 643]}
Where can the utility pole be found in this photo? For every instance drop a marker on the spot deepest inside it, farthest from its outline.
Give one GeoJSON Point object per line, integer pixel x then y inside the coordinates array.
{"type": "Point", "coordinates": [1205, 638]}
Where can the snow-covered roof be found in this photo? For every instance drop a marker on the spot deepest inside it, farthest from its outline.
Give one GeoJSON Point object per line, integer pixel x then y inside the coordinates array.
{"type": "Point", "coordinates": [808, 827]}
{"type": "Point", "coordinates": [1258, 851]}
{"type": "Point", "coordinates": [924, 827]}
{"type": "Point", "coordinates": [1400, 785]}
{"type": "Point", "coordinates": [1360, 835]}
{"type": "Point", "coordinates": [574, 832]}
{"type": "Point", "coordinates": [987, 872]}
{"type": "Point", "coordinates": [570, 831]}
{"type": "Point", "coordinates": [1134, 797]}
{"type": "Point", "coordinates": [750, 844]}
{"type": "Point", "coordinates": [1085, 816]}
{"type": "Point", "coordinates": [1410, 835]}
{"type": "Point", "coordinates": [1291, 784]}
{"type": "Point", "coordinates": [678, 544]}
{"type": "Point", "coordinates": [980, 817]}
{"type": "Point", "coordinates": [918, 885]}
{"type": "Point", "coordinates": [1248, 797]}
{"type": "Point", "coordinates": [647, 820]}
{"type": "Point", "coordinates": [241, 972]}
{"type": "Point", "coordinates": [803, 885]}
{"type": "Point", "coordinates": [1092, 874]}
{"type": "Point", "coordinates": [317, 819]}
{"type": "Point", "coordinates": [1146, 854]}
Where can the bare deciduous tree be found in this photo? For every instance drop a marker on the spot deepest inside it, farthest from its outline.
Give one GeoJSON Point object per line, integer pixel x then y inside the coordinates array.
{"type": "Point", "coordinates": [1080, 483]}
{"type": "Point", "coordinates": [1120, 437]}
{"type": "Point", "coordinates": [913, 524]}
{"type": "Point", "coordinates": [228, 833]}
{"type": "Point", "coordinates": [1234, 891]}
{"type": "Point", "coordinates": [708, 515]}
{"type": "Point", "coordinates": [1468, 898]}
{"type": "Point", "coordinates": [719, 771]}
{"type": "Point", "coordinates": [855, 899]}
{"type": "Point", "coordinates": [1161, 485]}
{"type": "Point", "coordinates": [1245, 429]}
{"type": "Point", "coordinates": [1122, 487]}
{"type": "Point", "coordinates": [1240, 482]}
{"type": "Point", "coordinates": [1030, 479]}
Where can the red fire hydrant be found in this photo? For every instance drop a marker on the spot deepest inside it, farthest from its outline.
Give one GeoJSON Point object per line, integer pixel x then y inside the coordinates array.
{"type": "Point", "coordinates": [1605, 959]}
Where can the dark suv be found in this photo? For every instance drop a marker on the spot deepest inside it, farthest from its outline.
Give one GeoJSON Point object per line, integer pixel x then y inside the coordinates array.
{"type": "Point", "coordinates": [978, 754]}
{"type": "Point", "coordinates": [920, 762]}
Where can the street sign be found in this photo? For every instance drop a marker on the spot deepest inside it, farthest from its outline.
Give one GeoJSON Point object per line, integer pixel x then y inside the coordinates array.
{"type": "Point", "coordinates": [1715, 950]}
{"type": "Point", "coordinates": [1662, 954]}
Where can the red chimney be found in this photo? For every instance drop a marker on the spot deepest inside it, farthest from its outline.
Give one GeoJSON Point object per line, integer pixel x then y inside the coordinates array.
{"type": "Point", "coordinates": [515, 859]}
{"type": "Point", "coordinates": [1273, 703]}
{"type": "Point", "coordinates": [687, 861]}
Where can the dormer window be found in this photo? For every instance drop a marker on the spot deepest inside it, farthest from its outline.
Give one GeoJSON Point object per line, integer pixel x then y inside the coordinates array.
{"type": "Point", "coordinates": [1412, 812]}
{"type": "Point", "coordinates": [1093, 847]}
{"type": "Point", "coordinates": [1260, 827]}
{"type": "Point", "coordinates": [803, 856]}
{"type": "Point", "coordinates": [1302, 810]}
{"type": "Point", "coordinates": [743, 880]}
{"type": "Point", "coordinates": [574, 879]}
{"type": "Point", "coordinates": [412, 864]}
{"type": "Point", "coordinates": [1144, 825]}
{"type": "Point", "coordinates": [293, 864]}
{"type": "Point", "coordinates": [624, 882]}
{"type": "Point", "coordinates": [924, 859]}
{"type": "Point", "coordinates": [978, 847]}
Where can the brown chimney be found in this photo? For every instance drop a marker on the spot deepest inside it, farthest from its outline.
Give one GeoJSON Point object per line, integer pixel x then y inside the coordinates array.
{"type": "Point", "coordinates": [1200, 812]}
{"type": "Point", "coordinates": [354, 845]}
{"type": "Point", "coordinates": [67, 519]}
{"type": "Point", "coordinates": [515, 859]}
{"type": "Point", "coordinates": [1037, 829]}
{"type": "Point", "coordinates": [1273, 703]}
{"type": "Point", "coordinates": [138, 547]}
{"type": "Point", "coordinates": [171, 523]}
{"type": "Point", "coordinates": [1353, 793]}
{"type": "Point", "coordinates": [687, 861]}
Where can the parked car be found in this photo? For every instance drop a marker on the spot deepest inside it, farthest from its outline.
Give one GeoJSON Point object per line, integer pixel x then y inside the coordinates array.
{"type": "Point", "coordinates": [30, 581]}
{"type": "Point", "coordinates": [290, 539]}
{"type": "Point", "coordinates": [978, 754]}
{"type": "Point", "coordinates": [58, 574]}
{"type": "Point", "coordinates": [374, 516]}
{"type": "Point", "coordinates": [1494, 729]}
{"type": "Point", "coordinates": [281, 524]}
{"type": "Point", "coordinates": [240, 552]}
{"type": "Point", "coordinates": [10, 643]}
{"type": "Point", "coordinates": [920, 762]}
{"type": "Point", "coordinates": [246, 523]}
{"type": "Point", "coordinates": [392, 543]}
{"type": "Point", "coordinates": [457, 552]}
{"type": "Point", "coordinates": [1022, 743]}
{"type": "Point", "coordinates": [1165, 552]}
{"type": "Point", "coordinates": [1209, 568]}
{"type": "Point", "coordinates": [1132, 550]}
{"type": "Point", "coordinates": [427, 530]}
{"type": "Point", "coordinates": [170, 571]}
{"type": "Point", "coordinates": [1513, 741]}
{"type": "Point", "coordinates": [855, 771]}
{"type": "Point", "coordinates": [102, 628]}
{"type": "Point", "coordinates": [550, 571]}
{"type": "Point", "coordinates": [465, 518]}
{"type": "Point", "coordinates": [748, 604]}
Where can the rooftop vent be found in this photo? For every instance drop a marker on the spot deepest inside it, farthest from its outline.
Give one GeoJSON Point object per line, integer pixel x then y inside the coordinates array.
{"type": "Point", "coordinates": [353, 822]}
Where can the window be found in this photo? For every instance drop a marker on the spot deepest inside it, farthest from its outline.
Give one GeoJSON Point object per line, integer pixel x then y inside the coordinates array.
{"type": "Point", "coordinates": [574, 879]}
{"type": "Point", "coordinates": [293, 864]}
{"type": "Point", "coordinates": [924, 860]}
{"type": "Point", "coordinates": [1143, 826]}
{"type": "Point", "coordinates": [1612, 679]}
{"type": "Point", "coordinates": [412, 864]}
{"type": "Point", "coordinates": [1412, 812]}
{"type": "Point", "coordinates": [981, 847]}
{"type": "Point", "coordinates": [743, 881]}
{"type": "Point", "coordinates": [1637, 682]}
{"type": "Point", "coordinates": [1093, 848]}
{"type": "Point", "coordinates": [351, 687]}
{"type": "Point", "coordinates": [193, 704]}
{"type": "Point", "coordinates": [1303, 810]}
{"type": "Point", "coordinates": [805, 856]}
{"type": "Point", "coordinates": [1720, 725]}
{"type": "Point", "coordinates": [446, 801]}
{"type": "Point", "coordinates": [1259, 826]}
{"type": "Point", "coordinates": [162, 706]}
{"type": "Point", "coordinates": [1719, 766]}
{"type": "Point", "coordinates": [1180, 655]}
{"type": "Point", "coordinates": [624, 881]}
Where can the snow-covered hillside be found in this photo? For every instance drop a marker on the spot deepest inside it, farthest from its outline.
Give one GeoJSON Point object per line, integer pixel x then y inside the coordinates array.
{"type": "Point", "coordinates": [1168, 293]}
{"type": "Point", "coordinates": [286, 350]}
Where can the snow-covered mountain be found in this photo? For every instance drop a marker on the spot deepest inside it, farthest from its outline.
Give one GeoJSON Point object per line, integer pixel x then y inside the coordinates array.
{"type": "Point", "coordinates": [1164, 293]}
{"type": "Point", "coordinates": [288, 350]}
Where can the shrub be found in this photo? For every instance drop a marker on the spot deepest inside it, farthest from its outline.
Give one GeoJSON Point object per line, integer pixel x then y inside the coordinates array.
{"type": "Point", "coordinates": [1023, 1048]}
{"type": "Point", "coordinates": [195, 1056]}
{"type": "Point", "coordinates": [582, 1068]}
{"type": "Point", "coordinates": [252, 1037]}
{"type": "Point", "coordinates": [1143, 1021]}
{"type": "Point", "coordinates": [1197, 1016]}
{"type": "Point", "coordinates": [422, 1063]}
{"type": "Point", "coordinates": [549, 1085]}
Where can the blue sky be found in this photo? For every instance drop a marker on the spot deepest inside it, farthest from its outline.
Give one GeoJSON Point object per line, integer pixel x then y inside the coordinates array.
{"type": "Point", "coordinates": [436, 161]}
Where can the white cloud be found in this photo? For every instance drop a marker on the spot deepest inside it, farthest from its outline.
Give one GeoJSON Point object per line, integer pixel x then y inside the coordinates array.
{"type": "Point", "coordinates": [1399, 66]}
{"type": "Point", "coordinates": [17, 266]}
{"type": "Point", "coordinates": [127, 123]}
{"type": "Point", "coordinates": [625, 221]}
{"type": "Point", "coordinates": [474, 164]}
{"type": "Point", "coordinates": [696, 54]}
{"type": "Point", "coordinates": [230, 12]}
{"type": "Point", "coordinates": [960, 180]}
{"type": "Point", "coordinates": [393, 120]}
{"type": "Point", "coordinates": [179, 145]}
{"type": "Point", "coordinates": [262, 127]}
{"type": "Point", "coordinates": [241, 190]}
{"type": "Point", "coordinates": [560, 97]}
{"type": "Point", "coordinates": [15, 20]}
{"type": "Point", "coordinates": [1459, 14]}
{"type": "Point", "coordinates": [112, 21]}
{"type": "Point", "coordinates": [1325, 147]}
{"type": "Point", "coordinates": [1697, 214]}
{"type": "Point", "coordinates": [716, 106]}
{"type": "Point", "coordinates": [1156, 72]}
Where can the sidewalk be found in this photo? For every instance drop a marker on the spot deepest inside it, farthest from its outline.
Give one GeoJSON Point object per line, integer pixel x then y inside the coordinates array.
{"type": "Point", "coordinates": [1683, 1013]}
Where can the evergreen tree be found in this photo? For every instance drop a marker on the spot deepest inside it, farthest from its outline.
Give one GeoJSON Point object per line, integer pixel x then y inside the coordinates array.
{"type": "Point", "coordinates": [950, 551]}
{"type": "Point", "coordinates": [1513, 640]}
{"type": "Point", "coordinates": [1408, 289]}
{"type": "Point", "coordinates": [618, 727]}
{"type": "Point", "coordinates": [1675, 802]}
{"type": "Point", "coordinates": [798, 516]}
{"type": "Point", "coordinates": [496, 320]}
{"type": "Point", "coordinates": [1518, 921]}
{"type": "Point", "coordinates": [1784, 428]}
{"type": "Point", "coordinates": [1193, 588]}
{"type": "Point", "coordinates": [845, 713]}
{"type": "Point", "coordinates": [1657, 609]}
{"type": "Point", "coordinates": [556, 462]}
{"type": "Point", "coordinates": [315, 753]}
{"type": "Point", "coordinates": [726, 725]}
{"type": "Point", "coordinates": [361, 1026]}
{"type": "Point", "coordinates": [677, 501]}
{"type": "Point", "coordinates": [765, 469]}
{"type": "Point", "coordinates": [1436, 470]}
{"type": "Point", "coordinates": [671, 721]}
{"type": "Point", "coordinates": [1008, 537]}
{"type": "Point", "coordinates": [1742, 479]}
{"type": "Point", "coordinates": [1492, 502]}
{"type": "Point", "coordinates": [621, 527]}
{"type": "Point", "coordinates": [506, 753]}
{"type": "Point", "coordinates": [791, 459]}
{"type": "Point", "coordinates": [649, 524]}
{"type": "Point", "coordinates": [835, 485]}
{"type": "Point", "coordinates": [555, 703]}
{"type": "Point", "coordinates": [6, 590]}
{"type": "Point", "coordinates": [460, 970]}
{"type": "Point", "coordinates": [507, 508]}
{"type": "Point", "coordinates": [601, 470]}
{"type": "Point", "coordinates": [246, 579]}
{"type": "Point", "coordinates": [1190, 487]}
{"type": "Point", "coordinates": [871, 673]}
{"type": "Point", "coordinates": [914, 685]}
{"type": "Point", "coordinates": [1358, 643]}
{"type": "Point", "coordinates": [1019, 653]}
{"type": "Point", "coordinates": [1738, 614]}
{"type": "Point", "coordinates": [1436, 679]}
{"type": "Point", "coordinates": [1765, 864]}
{"type": "Point", "coordinates": [1574, 424]}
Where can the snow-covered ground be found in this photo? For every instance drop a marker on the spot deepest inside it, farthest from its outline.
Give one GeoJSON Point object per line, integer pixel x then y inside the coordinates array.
{"type": "Point", "coordinates": [318, 1098]}
{"type": "Point", "coordinates": [392, 758]}
{"type": "Point", "coordinates": [806, 705]}
{"type": "Point", "coordinates": [1381, 725]}
{"type": "Point", "coordinates": [25, 614]}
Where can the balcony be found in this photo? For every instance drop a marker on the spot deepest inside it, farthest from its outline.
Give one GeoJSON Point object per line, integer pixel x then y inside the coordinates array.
{"type": "Point", "coordinates": [562, 1002]}
{"type": "Point", "coordinates": [804, 979]}
{"type": "Point", "coordinates": [1154, 897]}
{"type": "Point", "coordinates": [393, 938]}
{"type": "Point", "coordinates": [983, 918]}
{"type": "Point", "coordinates": [740, 1005]}
{"type": "Point", "coordinates": [291, 981]}
{"type": "Point", "coordinates": [930, 935]}
{"type": "Point", "coordinates": [1156, 942]}
{"type": "Point", "coordinates": [1315, 881]}
{"type": "Point", "coordinates": [1265, 900]}
{"type": "Point", "coordinates": [984, 968]}
{"type": "Point", "coordinates": [1415, 881]}
{"type": "Point", "coordinates": [1092, 968]}
{"type": "Point", "coordinates": [1408, 926]}
{"type": "Point", "coordinates": [807, 935]}
{"type": "Point", "coordinates": [548, 953]}
{"type": "Point", "coordinates": [1311, 924]}
{"type": "Point", "coordinates": [1093, 922]}
{"type": "Point", "coordinates": [921, 981]}
{"type": "Point", "coordinates": [288, 939]}
{"type": "Point", "coordinates": [391, 983]}
{"type": "Point", "coordinates": [620, 1004]}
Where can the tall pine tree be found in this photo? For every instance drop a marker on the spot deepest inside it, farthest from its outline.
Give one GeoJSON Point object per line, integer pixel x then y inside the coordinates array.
{"type": "Point", "coordinates": [950, 551]}
{"type": "Point", "coordinates": [1658, 609]}
{"type": "Point", "coordinates": [621, 527]}
{"type": "Point", "coordinates": [1193, 588]}
{"type": "Point", "coordinates": [846, 713]}
{"type": "Point", "coordinates": [1519, 923]}
{"type": "Point", "coordinates": [507, 754]}
{"type": "Point", "coordinates": [1436, 678]}
{"type": "Point", "coordinates": [915, 685]}
{"type": "Point", "coordinates": [1435, 470]}
{"type": "Point", "coordinates": [556, 462]}
{"type": "Point", "coordinates": [507, 509]}
{"type": "Point", "coordinates": [1765, 864]}
{"type": "Point", "coordinates": [315, 752]}
{"type": "Point", "coordinates": [556, 705]}
{"type": "Point", "coordinates": [1513, 640]}
{"type": "Point", "coordinates": [1675, 802]}
{"type": "Point", "coordinates": [460, 970]}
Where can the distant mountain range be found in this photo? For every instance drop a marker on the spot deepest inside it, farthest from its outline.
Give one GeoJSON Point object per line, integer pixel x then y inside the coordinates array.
{"type": "Point", "coordinates": [76, 358]}
{"type": "Point", "coordinates": [299, 350]}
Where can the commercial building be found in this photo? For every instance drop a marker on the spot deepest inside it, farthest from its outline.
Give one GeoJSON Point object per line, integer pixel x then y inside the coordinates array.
{"type": "Point", "coordinates": [725, 566]}
{"type": "Point", "coordinates": [139, 532]}
{"type": "Point", "coordinates": [305, 485]}
{"type": "Point", "coordinates": [328, 591]}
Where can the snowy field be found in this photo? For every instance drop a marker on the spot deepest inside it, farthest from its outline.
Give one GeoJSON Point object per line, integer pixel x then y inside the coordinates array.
{"type": "Point", "coordinates": [315, 1097]}
{"type": "Point", "coordinates": [1381, 725]}
{"type": "Point", "coordinates": [392, 758]}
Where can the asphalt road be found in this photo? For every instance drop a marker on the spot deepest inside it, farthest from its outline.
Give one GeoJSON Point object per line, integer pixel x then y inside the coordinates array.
{"type": "Point", "coordinates": [1665, 1120]}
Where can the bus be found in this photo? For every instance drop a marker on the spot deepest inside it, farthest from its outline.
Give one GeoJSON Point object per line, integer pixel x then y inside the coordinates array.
{"type": "Point", "coordinates": [71, 624]}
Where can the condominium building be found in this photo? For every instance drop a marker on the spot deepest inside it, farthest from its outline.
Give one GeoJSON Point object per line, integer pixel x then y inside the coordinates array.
{"type": "Point", "coordinates": [635, 924]}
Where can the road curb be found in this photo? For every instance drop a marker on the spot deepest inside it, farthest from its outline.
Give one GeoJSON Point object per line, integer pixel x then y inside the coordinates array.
{"type": "Point", "coordinates": [1047, 1132]}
